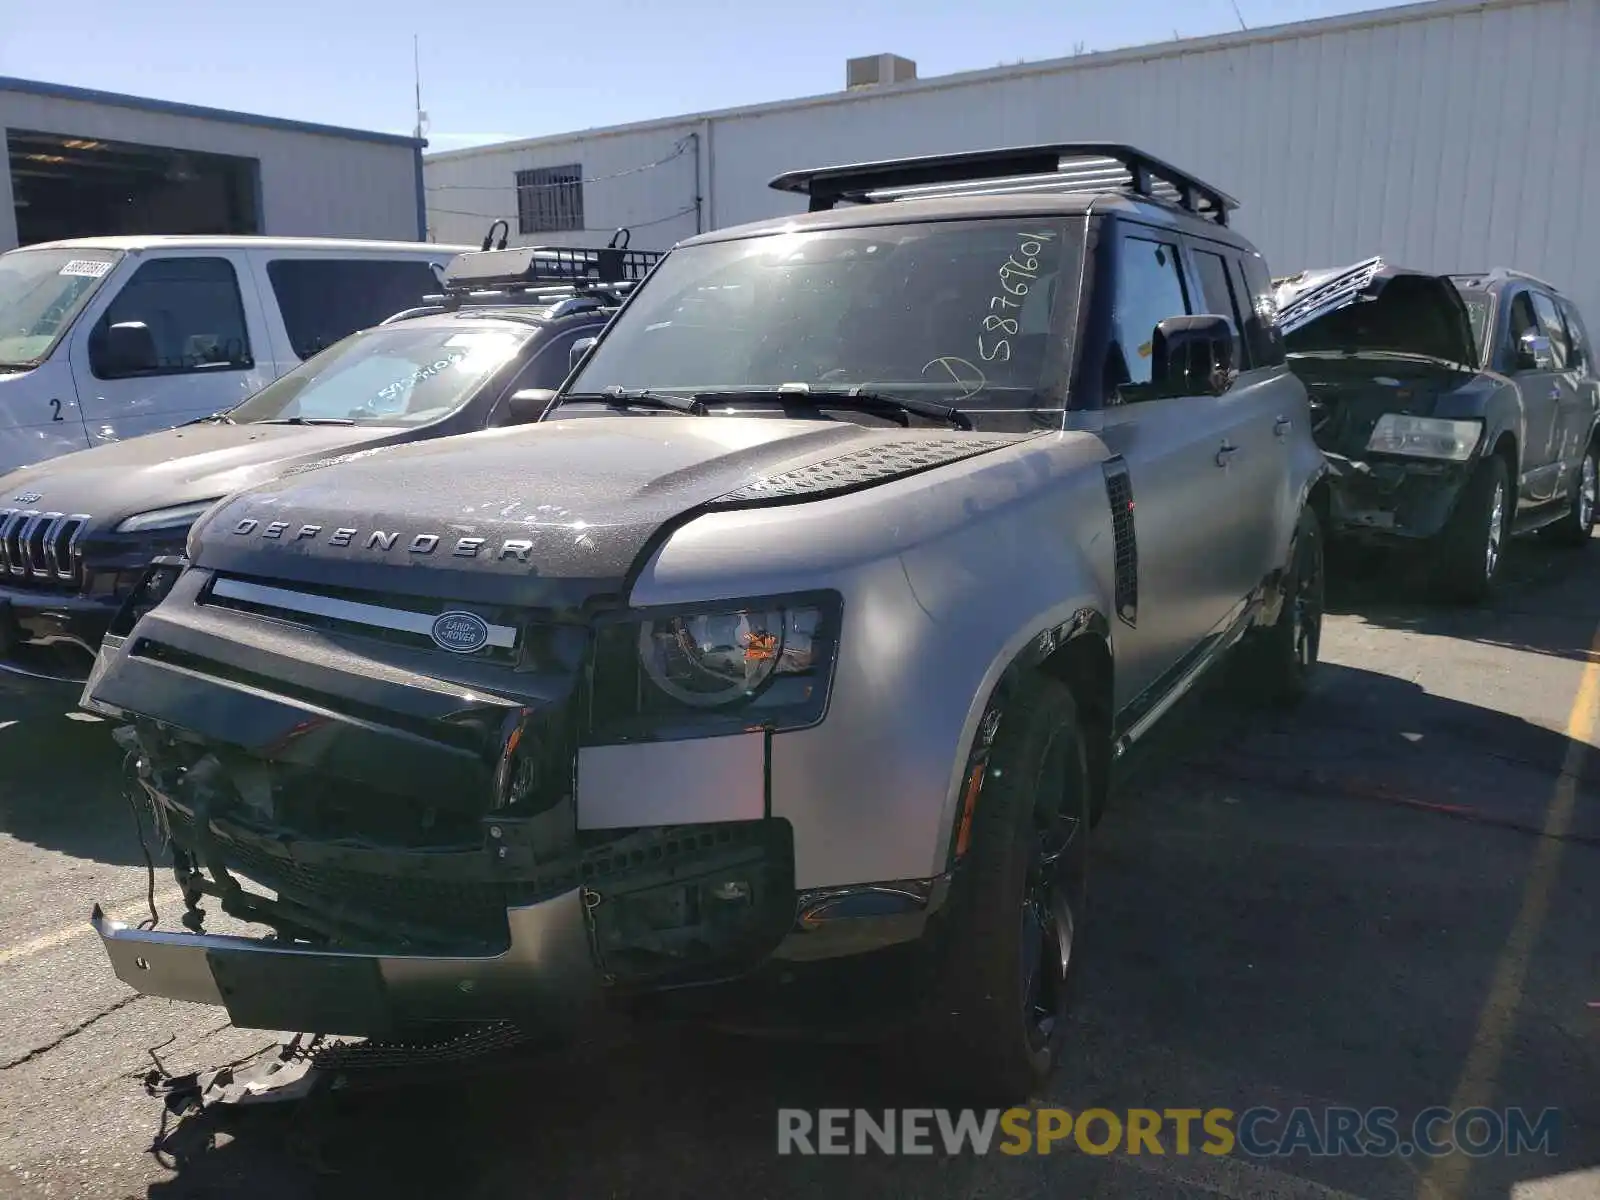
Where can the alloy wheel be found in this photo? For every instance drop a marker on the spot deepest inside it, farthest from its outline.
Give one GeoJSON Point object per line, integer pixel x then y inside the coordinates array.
{"type": "Point", "coordinates": [1587, 488]}
{"type": "Point", "coordinates": [1306, 611]}
{"type": "Point", "coordinates": [1054, 878]}
{"type": "Point", "coordinates": [1497, 524]}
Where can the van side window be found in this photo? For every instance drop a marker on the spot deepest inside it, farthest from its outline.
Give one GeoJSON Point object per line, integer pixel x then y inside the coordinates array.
{"type": "Point", "coordinates": [324, 300]}
{"type": "Point", "coordinates": [1217, 297]}
{"type": "Point", "coordinates": [1148, 290]}
{"type": "Point", "coordinates": [195, 322]}
{"type": "Point", "coordinates": [1261, 332]}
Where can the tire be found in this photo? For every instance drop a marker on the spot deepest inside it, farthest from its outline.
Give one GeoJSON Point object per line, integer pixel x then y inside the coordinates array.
{"type": "Point", "coordinates": [1472, 545]}
{"type": "Point", "coordinates": [995, 1028]}
{"type": "Point", "coordinates": [1278, 663]}
{"type": "Point", "coordinates": [1575, 528]}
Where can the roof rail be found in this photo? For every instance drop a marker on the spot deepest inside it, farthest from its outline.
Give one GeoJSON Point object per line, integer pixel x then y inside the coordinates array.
{"type": "Point", "coordinates": [1501, 274]}
{"type": "Point", "coordinates": [1057, 167]}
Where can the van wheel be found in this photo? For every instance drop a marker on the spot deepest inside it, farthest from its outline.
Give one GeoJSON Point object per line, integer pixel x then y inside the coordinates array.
{"type": "Point", "coordinates": [1575, 528]}
{"type": "Point", "coordinates": [1009, 953]}
{"type": "Point", "coordinates": [1278, 663]}
{"type": "Point", "coordinates": [1473, 542]}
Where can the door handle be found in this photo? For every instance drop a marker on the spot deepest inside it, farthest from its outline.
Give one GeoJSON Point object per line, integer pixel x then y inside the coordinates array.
{"type": "Point", "coordinates": [1281, 426]}
{"type": "Point", "coordinates": [1224, 452]}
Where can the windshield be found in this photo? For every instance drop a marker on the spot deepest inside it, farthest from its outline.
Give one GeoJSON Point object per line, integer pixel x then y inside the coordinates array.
{"type": "Point", "coordinates": [969, 313]}
{"type": "Point", "coordinates": [41, 291]}
{"type": "Point", "coordinates": [1478, 313]}
{"type": "Point", "coordinates": [389, 375]}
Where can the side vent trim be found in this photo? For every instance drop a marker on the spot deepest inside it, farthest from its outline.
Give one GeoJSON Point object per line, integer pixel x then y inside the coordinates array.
{"type": "Point", "coordinates": [1119, 494]}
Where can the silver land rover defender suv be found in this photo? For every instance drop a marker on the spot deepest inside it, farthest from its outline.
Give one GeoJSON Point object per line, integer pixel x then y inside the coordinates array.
{"type": "Point", "coordinates": [803, 634]}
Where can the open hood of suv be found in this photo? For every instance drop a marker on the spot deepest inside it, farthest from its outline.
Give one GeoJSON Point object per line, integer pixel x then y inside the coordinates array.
{"type": "Point", "coordinates": [1374, 307]}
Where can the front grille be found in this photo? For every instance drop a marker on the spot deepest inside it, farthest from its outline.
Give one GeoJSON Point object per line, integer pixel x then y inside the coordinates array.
{"type": "Point", "coordinates": [40, 549]}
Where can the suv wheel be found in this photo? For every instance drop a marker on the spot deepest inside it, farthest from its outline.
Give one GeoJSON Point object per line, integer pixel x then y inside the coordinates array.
{"type": "Point", "coordinates": [1472, 544]}
{"type": "Point", "coordinates": [1010, 951]}
{"type": "Point", "coordinates": [1574, 528]}
{"type": "Point", "coordinates": [1279, 662]}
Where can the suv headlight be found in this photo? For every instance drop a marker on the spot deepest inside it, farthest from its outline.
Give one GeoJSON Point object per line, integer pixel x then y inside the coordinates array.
{"type": "Point", "coordinates": [716, 668]}
{"type": "Point", "coordinates": [1425, 437]}
{"type": "Point", "coordinates": [179, 517]}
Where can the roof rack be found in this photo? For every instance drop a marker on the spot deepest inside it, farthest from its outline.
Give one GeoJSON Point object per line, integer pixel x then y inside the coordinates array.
{"type": "Point", "coordinates": [1501, 274]}
{"type": "Point", "coordinates": [1059, 167]}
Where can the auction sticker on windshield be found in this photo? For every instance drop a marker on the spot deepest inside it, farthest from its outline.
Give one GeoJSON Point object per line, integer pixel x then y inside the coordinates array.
{"type": "Point", "coordinates": [86, 268]}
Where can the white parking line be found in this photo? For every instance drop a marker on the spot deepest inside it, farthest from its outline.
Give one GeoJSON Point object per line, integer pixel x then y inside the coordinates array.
{"type": "Point", "coordinates": [49, 941]}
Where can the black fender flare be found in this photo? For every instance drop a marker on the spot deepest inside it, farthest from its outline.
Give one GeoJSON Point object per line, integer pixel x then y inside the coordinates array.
{"type": "Point", "coordinates": [1084, 623]}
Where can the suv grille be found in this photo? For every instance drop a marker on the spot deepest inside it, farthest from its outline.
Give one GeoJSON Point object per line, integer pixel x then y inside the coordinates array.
{"type": "Point", "coordinates": [40, 549]}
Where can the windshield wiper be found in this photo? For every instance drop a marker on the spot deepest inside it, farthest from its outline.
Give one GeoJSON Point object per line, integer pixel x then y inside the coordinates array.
{"type": "Point", "coordinates": [219, 418]}
{"type": "Point", "coordinates": [856, 398]}
{"type": "Point", "coordinates": [308, 421]}
{"type": "Point", "coordinates": [621, 397]}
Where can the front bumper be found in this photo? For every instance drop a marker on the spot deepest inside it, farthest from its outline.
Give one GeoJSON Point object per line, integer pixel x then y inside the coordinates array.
{"type": "Point", "coordinates": [52, 637]}
{"type": "Point", "coordinates": [547, 974]}
{"type": "Point", "coordinates": [1392, 499]}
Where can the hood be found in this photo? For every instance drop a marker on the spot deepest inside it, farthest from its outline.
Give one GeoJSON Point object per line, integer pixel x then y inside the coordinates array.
{"type": "Point", "coordinates": [552, 513]}
{"type": "Point", "coordinates": [176, 466]}
{"type": "Point", "coordinates": [1373, 307]}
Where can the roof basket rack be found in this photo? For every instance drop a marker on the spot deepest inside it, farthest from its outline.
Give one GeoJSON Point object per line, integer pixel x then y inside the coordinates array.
{"type": "Point", "coordinates": [524, 267]}
{"type": "Point", "coordinates": [1059, 167]}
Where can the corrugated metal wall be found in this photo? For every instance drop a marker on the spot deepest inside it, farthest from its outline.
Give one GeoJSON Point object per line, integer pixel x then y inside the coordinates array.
{"type": "Point", "coordinates": [1446, 136]}
{"type": "Point", "coordinates": [311, 184]}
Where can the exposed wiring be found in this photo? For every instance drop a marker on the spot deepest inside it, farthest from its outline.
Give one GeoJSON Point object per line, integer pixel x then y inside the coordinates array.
{"type": "Point", "coordinates": [149, 865]}
{"type": "Point", "coordinates": [680, 148]}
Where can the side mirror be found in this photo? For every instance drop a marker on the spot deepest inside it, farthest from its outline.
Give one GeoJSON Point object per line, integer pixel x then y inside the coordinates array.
{"type": "Point", "coordinates": [127, 348]}
{"type": "Point", "coordinates": [1192, 356]}
{"type": "Point", "coordinates": [1533, 352]}
{"type": "Point", "coordinates": [580, 349]}
{"type": "Point", "coordinates": [528, 405]}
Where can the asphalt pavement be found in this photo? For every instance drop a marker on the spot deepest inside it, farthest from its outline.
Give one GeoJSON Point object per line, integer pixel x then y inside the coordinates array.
{"type": "Point", "coordinates": [1386, 898]}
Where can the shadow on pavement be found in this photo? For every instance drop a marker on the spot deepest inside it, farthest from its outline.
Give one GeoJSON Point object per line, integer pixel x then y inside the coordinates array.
{"type": "Point", "coordinates": [61, 783]}
{"type": "Point", "coordinates": [1266, 930]}
{"type": "Point", "coordinates": [1545, 601]}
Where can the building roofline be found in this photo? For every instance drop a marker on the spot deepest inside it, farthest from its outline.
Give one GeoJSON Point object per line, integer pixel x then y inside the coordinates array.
{"type": "Point", "coordinates": [1366, 19]}
{"type": "Point", "coordinates": [172, 108]}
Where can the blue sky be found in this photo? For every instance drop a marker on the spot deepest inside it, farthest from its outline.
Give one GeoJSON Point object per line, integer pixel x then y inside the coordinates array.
{"type": "Point", "coordinates": [496, 71]}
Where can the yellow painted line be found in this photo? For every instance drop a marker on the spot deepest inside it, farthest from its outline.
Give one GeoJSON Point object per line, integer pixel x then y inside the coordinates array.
{"type": "Point", "coordinates": [135, 911]}
{"type": "Point", "coordinates": [1479, 1076]}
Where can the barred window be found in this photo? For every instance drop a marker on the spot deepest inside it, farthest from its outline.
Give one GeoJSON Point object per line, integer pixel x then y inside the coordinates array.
{"type": "Point", "coordinates": [550, 199]}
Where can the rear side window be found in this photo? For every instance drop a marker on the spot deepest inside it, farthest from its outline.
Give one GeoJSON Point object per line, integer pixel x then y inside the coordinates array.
{"type": "Point", "coordinates": [192, 309]}
{"type": "Point", "coordinates": [1261, 331]}
{"type": "Point", "coordinates": [326, 299]}
{"type": "Point", "coordinates": [1553, 328]}
{"type": "Point", "coordinates": [1148, 290]}
{"type": "Point", "coordinates": [1217, 297]}
{"type": "Point", "coordinates": [1579, 348]}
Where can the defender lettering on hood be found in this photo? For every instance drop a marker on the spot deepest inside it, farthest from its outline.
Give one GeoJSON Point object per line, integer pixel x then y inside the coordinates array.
{"type": "Point", "coordinates": [384, 540]}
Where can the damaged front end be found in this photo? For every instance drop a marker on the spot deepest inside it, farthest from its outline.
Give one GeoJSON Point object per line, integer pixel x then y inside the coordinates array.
{"type": "Point", "coordinates": [1388, 358]}
{"type": "Point", "coordinates": [410, 837]}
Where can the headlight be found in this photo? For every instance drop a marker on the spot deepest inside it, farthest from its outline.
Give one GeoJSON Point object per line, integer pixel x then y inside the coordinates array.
{"type": "Point", "coordinates": [1425, 437]}
{"type": "Point", "coordinates": [720, 669]}
{"type": "Point", "coordinates": [180, 517]}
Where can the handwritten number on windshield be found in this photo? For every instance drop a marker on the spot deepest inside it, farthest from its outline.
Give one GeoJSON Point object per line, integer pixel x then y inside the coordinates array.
{"type": "Point", "coordinates": [1016, 273]}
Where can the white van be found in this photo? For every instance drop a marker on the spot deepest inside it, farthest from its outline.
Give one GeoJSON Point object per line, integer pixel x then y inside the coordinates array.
{"type": "Point", "coordinates": [110, 337]}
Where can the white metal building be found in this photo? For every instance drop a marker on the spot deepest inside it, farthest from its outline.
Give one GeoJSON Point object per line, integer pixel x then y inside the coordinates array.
{"type": "Point", "coordinates": [1451, 135]}
{"type": "Point", "coordinates": [80, 163]}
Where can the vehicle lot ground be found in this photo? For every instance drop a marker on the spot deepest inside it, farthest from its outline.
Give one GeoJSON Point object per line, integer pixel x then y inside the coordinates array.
{"type": "Point", "coordinates": [1284, 914]}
